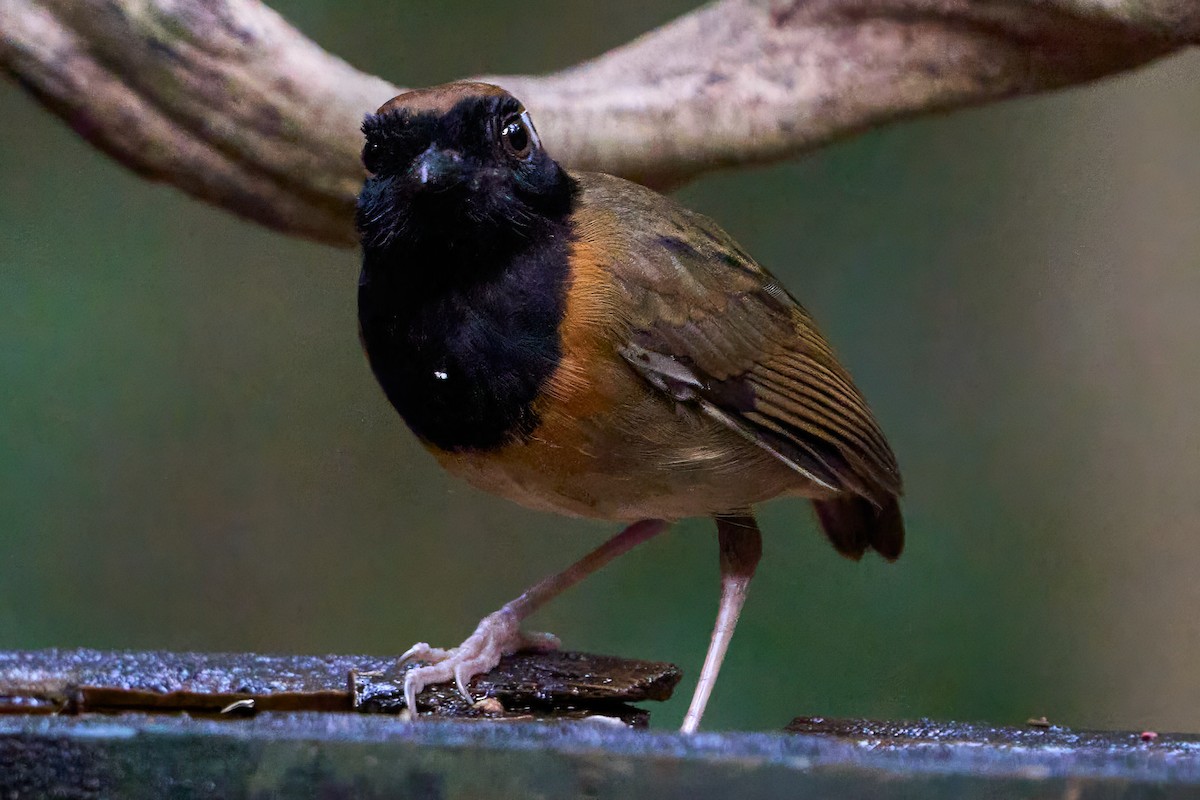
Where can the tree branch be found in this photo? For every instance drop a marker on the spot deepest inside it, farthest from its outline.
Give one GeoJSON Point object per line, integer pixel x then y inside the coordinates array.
{"type": "Point", "coordinates": [225, 100]}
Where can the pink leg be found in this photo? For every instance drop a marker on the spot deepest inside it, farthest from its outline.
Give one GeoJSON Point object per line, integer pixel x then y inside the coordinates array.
{"type": "Point", "coordinates": [741, 548]}
{"type": "Point", "coordinates": [499, 634]}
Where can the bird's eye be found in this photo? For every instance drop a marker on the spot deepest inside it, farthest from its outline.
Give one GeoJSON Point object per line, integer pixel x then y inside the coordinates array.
{"type": "Point", "coordinates": [518, 136]}
{"type": "Point", "coordinates": [372, 156]}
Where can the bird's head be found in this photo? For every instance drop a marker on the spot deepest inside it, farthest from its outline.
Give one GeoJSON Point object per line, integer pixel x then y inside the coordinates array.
{"type": "Point", "coordinates": [455, 162]}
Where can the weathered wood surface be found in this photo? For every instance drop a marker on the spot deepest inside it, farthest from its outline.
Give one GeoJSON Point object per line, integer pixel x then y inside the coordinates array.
{"type": "Point", "coordinates": [312, 754]}
{"type": "Point", "coordinates": [523, 686]}
{"type": "Point", "coordinates": [48, 751]}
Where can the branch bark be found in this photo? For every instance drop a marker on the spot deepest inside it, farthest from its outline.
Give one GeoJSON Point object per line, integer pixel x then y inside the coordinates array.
{"type": "Point", "coordinates": [225, 100]}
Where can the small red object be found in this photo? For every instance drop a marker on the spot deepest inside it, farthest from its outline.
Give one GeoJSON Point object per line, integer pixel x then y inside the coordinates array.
{"type": "Point", "coordinates": [1149, 736]}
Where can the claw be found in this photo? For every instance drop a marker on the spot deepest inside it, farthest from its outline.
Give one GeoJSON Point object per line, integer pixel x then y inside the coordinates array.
{"type": "Point", "coordinates": [410, 694]}
{"type": "Point", "coordinates": [412, 652]}
{"type": "Point", "coordinates": [462, 676]}
{"type": "Point", "coordinates": [496, 636]}
{"type": "Point", "coordinates": [421, 651]}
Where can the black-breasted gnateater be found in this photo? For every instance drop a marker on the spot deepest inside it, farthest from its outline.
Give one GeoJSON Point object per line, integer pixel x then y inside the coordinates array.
{"type": "Point", "coordinates": [581, 344]}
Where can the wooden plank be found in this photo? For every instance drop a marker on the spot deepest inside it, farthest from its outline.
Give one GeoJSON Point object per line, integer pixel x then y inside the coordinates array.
{"type": "Point", "coordinates": [313, 754]}
{"type": "Point", "coordinates": [323, 753]}
{"type": "Point", "coordinates": [526, 685]}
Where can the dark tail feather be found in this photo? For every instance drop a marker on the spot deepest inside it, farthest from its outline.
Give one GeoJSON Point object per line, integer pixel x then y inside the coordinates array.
{"type": "Point", "coordinates": [853, 524]}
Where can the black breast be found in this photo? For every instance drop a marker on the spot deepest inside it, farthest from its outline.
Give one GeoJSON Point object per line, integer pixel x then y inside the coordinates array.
{"type": "Point", "coordinates": [463, 349]}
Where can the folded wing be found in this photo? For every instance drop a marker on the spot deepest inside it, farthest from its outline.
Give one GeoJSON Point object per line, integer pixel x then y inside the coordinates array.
{"type": "Point", "coordinates": [710, 327]}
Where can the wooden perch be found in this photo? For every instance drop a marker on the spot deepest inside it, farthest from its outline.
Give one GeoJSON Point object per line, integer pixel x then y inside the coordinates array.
{"type": "Point", "coordinates": [301, 747]}
{"type": "Point", "coordinates": [557, 685]}
{"type": "Point", "coordinates": [225, 100]}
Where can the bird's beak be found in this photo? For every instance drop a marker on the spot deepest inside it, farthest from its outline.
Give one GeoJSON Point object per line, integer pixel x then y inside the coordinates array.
{"type": "Point", "coordinates": [436, 166]}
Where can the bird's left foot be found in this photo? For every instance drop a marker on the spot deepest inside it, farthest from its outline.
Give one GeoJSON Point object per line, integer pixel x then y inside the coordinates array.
{"type": "Point", "coordinates": [497, 635]}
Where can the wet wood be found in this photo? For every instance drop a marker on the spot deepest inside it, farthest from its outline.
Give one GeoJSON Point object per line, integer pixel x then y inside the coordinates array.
{"type": "Point", "coordinates": [526, 685]}
{"type": "Point", "coordinates": [1039, 749]}
{"type": "Point", "coordinates": [84, 723]}
{"type": "Point", "coordinates": [367, 756]}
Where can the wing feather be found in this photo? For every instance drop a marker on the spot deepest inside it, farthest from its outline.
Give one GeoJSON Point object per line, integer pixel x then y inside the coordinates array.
{"type": "Point", "coordinates": [709, 326]}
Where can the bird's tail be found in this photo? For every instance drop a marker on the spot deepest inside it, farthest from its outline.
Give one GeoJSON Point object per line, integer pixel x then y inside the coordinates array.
{"type": "Point", "coordinates": [854, 523]}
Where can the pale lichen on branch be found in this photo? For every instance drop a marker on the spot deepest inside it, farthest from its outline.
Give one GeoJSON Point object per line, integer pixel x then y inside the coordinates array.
{"type": "Point", "coordinates": [227, 101]}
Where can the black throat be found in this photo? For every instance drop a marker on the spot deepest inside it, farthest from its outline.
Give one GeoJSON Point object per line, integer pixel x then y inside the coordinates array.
{"type": "Point", "coordinates": [462, 330]}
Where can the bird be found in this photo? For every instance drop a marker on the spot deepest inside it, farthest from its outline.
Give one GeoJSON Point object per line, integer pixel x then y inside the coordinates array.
{"type": "Point", "coordinates": [581, 344]}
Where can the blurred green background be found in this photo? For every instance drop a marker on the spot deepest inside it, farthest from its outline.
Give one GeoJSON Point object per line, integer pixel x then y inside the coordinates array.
{"type": "Point", "coordinates": [193, 453]}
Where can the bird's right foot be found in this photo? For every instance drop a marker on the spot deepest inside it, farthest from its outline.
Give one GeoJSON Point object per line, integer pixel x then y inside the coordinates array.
{"type": "Point", "coordinates": [497, 635]}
